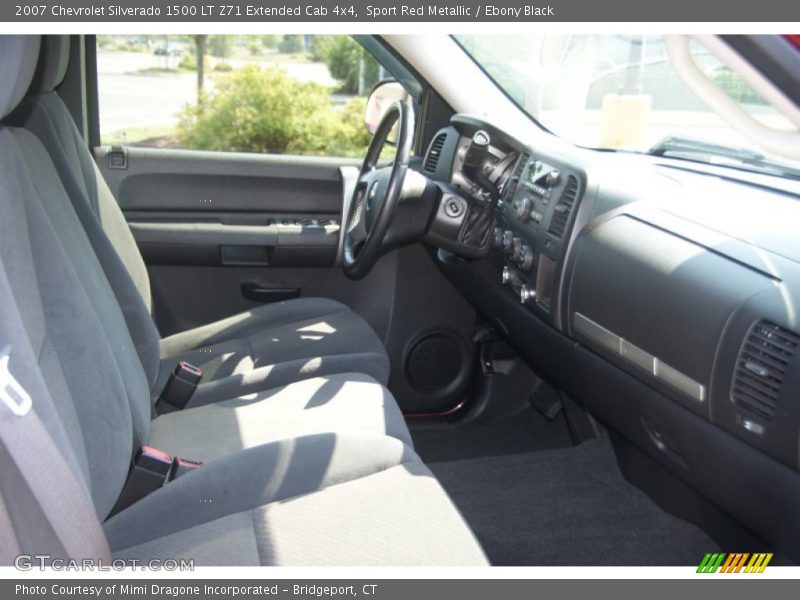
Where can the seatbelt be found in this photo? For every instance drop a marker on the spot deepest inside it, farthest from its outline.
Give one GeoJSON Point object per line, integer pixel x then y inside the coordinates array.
{"type": "Point", "coordinates": [61, 497]}
{"type": "Point", "coordinates": [180, 387]}
{"type": "Point", "coordinates": [151, 470]}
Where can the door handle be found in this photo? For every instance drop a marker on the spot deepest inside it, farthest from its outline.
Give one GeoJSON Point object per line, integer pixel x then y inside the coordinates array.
{"type": "Point", "coordinates": [265, 293]}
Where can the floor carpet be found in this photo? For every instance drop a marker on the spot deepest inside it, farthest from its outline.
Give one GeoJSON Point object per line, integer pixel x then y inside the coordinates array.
{"type": "Point", "coordinates": [525, 432]}
{"type": "Point", "coordinates": [563, 506]}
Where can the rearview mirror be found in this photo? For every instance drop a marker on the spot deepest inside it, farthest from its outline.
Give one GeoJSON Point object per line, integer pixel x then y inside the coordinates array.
{"type": "Point", "coordinates": [383, 95]}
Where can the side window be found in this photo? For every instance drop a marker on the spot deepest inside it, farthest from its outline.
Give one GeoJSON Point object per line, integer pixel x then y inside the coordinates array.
{"type": "Point", "coordinates": [281, 94]}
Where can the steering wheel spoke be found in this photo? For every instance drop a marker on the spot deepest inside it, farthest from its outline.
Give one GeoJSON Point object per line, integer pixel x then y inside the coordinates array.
{"type": "Point", "coordinates": [357, 228]}
{"type": "Point", "coordinates": [377, 194]}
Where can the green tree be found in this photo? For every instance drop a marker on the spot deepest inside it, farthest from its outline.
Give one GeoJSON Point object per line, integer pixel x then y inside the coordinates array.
{"type": "Point", "coordinates": [347, 61]}
{"type": "Point", "coordinates": [291, 44]}
{"type": "Point", "coordinates": [200, 64]}
{"type": "Point", "coordinates": [219, 46]}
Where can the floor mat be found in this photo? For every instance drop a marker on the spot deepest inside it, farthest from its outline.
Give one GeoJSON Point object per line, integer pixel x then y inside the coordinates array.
{"type": "Point", "coordinates": [525, 432]}
{"type": "Point", "coordinates": [566, 507]}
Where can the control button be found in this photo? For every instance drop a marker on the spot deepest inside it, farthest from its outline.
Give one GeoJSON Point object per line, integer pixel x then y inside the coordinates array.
{"type": "Point", "coordinates": [526, 294]}
{"type": "Point", "coordinates": [537, 217]}
{"type": "Point", "coordinates": [506, 278]}
{"type": "Point", "coordinates": [525, 258]}
{"type": "Point", "coordinates": [553, 178]}
{"type": "Point", "coordinates": [453, 207]}
{"type": "Point", "coordinates": [522, 208]}
{"type": "Point", "coordinates": [516, 248]}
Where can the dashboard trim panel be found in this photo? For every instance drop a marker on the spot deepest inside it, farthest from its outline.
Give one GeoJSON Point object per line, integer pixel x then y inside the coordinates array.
{"type": "Point", "coordinates": [637, 356]}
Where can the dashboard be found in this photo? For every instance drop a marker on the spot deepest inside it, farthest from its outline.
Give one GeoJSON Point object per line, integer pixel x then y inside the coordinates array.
{"type": "Point", "coordinates": [663, 297]}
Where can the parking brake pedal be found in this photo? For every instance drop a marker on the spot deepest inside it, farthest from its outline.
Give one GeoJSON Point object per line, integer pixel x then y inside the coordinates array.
{"type": "Point", "coordinates": [546, 400]}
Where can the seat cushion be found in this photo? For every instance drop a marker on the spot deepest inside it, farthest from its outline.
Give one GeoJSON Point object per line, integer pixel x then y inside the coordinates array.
{"type": "Point", "coordinates": [273, 345]}
{"type": "Point", "coordinates": [331, 499]}
{"type": "Point", "coordinates": [343, 403]}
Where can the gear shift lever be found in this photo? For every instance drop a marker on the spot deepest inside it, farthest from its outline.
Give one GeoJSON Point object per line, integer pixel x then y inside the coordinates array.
{"type": "Point", "coordinates": [476, 154]}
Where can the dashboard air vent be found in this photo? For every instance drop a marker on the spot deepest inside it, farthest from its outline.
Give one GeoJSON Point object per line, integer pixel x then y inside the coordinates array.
{"type": "Point", "coordinates": [763, 361]}
{"type": "Point", "coordinates": [434, 153]}
{"type": "Point", "coordinates": [562, 210]}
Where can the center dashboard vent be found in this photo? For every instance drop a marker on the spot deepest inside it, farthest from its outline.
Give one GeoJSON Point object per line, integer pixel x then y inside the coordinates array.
{"type": "Point", "coordinates": [563, 208]}
{"type": "Point", "coordinates": [760, 369]}
{"type": "Point", "coordinates": [434, 153]}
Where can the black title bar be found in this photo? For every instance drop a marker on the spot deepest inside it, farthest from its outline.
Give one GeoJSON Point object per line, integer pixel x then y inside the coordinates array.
{"type": "Point", "coordinates": [366, 11]}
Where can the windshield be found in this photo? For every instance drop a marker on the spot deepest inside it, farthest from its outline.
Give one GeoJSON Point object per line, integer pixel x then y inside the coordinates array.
{"type": "Point", "coordinates": [621, 92]}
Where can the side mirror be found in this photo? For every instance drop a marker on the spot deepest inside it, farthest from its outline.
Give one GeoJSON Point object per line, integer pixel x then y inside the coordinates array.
{"type": "Point", "coordinates": [382, 96]}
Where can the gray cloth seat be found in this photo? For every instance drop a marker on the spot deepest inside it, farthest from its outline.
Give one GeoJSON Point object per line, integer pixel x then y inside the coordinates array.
{"type": "Point", "coordinates": [273, 345]}
{"type": "Point", "coordinates": [318, 500]}
{"type": "Point", "coordinates": [350, 496]}
{"type": "Point", "coordinates": [335, 403]}
{"type": "Point", "coordinates": [238, 355]}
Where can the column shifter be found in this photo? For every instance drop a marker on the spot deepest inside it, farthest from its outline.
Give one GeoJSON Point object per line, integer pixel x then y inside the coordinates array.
{"type": "Point", "coordinates": [476, 154]}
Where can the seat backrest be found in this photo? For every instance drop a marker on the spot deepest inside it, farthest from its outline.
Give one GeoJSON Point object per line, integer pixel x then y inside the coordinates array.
{"type": "Point", "coordinates": [45, 508]}
{"type": "Point", "coordinates": [70, 313]}
{"type": "Point", "coordinates": [44, 113]}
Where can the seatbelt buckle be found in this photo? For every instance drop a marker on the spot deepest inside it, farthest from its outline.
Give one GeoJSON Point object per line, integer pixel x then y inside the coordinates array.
{"type": "Point", "coordinates": [181, 385]}
{"type": "Point", "coordinates": [181, 466]}
{"type": "Point", "coordinates": [150, 470]}
{"type": "Point", "coordinates": [12, 394]}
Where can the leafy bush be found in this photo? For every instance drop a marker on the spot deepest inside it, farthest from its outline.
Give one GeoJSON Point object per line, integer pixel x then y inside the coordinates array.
{"type": "Point", "coordinates": [223, 67]}
{"type": "Point", "coordinates": [188, 61]}
{"type": "Point", "coordinates": [254, 109]}
{"type": "Point", "coordinates": [343, 56]}
{"type": "Point", "coordinates": [333, 131]}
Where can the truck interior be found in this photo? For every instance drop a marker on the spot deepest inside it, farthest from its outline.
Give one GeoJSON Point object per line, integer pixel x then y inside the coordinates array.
{"type": "Point", "coordinates": [533, 323]}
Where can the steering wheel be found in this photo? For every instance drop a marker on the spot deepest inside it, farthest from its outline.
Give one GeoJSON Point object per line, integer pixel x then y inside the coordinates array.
{"type": "Point", "coordinates": [376, 194]}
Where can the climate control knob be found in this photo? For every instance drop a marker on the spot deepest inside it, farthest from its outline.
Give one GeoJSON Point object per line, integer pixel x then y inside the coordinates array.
{"type": "Point", "coordinates": [516, 248]}
{"type": "Point", "coordinates": [525, 258]}
{"type": "Point", "coordinates": [522, 208]}
{"type": "Point", "coordinates": [553, 178]}
{"type": "Point", "coordinates": [527, 294]}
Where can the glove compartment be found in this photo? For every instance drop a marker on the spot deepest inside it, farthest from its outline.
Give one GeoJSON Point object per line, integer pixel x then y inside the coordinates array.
{"type": "Point", "coordinates": [656, 304]}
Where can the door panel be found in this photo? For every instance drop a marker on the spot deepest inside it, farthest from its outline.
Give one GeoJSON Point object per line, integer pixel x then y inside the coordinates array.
{"type": "Point", "coordinates": [231, 209]}
{"type": "Point", "coordinates": [222, 233]}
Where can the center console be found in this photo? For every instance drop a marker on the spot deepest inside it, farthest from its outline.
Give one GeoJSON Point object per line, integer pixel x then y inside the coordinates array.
{"type": "Point", "coordinates": [534, 219]}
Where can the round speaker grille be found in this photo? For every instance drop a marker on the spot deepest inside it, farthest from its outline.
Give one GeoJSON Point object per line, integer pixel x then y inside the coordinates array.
{"type": "Point", "coordinates": [435, 362]}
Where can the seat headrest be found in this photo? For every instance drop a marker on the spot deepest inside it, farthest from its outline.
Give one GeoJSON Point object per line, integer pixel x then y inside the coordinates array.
{"type": "Point", "coordinates": [53, 62]}
{"type": "Point", "coordinates": [18, 56]}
